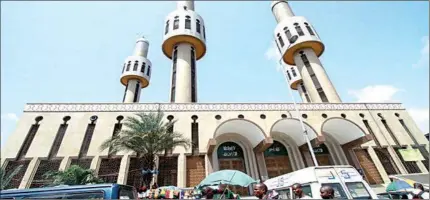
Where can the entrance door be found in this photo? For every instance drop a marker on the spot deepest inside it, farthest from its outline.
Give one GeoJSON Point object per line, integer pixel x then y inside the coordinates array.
{"type": "Point", "coordinates": [230, 156]}
{"type": "Point", "coordinates": [277, 160]}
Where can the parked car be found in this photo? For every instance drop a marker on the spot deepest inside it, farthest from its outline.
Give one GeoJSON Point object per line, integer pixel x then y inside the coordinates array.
{"type": "Point", "coordinates": [95, 191]}
{"type": "Point", "coordinates": [395, 195]}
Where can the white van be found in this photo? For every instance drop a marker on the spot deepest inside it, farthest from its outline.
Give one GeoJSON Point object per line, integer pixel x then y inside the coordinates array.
{"type": "Point", "coordinates": [345, 180]}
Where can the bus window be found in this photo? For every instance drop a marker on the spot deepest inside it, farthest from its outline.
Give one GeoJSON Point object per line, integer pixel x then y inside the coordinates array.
{"type": "Point", "coordinates": [306, 190]}
{"type": "Point", "coordinates": [284, 194]}
{"type": "Point", "coordinates": [358, 190]}
{"type": "Point", "coordinates": [65, 195]}
{"type": "Point", "coordinates": [339, 193]}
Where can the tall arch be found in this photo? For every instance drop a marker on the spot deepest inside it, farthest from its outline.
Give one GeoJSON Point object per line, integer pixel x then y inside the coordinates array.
{"type": "Point", "coordinates": [246, 128]}
{"type": "Point", "coordinates": [293, 129]}
{"type": "Point", "coordinates": [348, 138]}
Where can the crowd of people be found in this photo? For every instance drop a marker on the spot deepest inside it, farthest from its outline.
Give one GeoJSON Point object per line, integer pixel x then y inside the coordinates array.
{"type": "Point", "coordinates": [260, 191]}
{"type": "Point", "coordinates": [223, 192]}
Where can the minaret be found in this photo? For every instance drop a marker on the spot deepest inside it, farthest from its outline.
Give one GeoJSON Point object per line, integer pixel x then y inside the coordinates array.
{"type": "Point", "coordinates": [184, 43]}
{"type": "Point", "coordinates": [136, 72]}
{"type": "Point", "coordinates": [300, 45]}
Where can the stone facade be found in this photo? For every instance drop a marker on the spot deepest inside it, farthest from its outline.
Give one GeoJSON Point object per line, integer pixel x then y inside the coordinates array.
{"type": "Point", "coordinates": [351, 133]}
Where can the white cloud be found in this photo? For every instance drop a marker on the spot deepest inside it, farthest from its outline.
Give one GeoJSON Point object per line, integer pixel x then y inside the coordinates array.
{"type": "Point", "coordinates": [386, 94]}
{"type": "Point", "coordinates": [423, 61]}
{"type": "Point", "coordinates": [421, 117]}
{"type": "Point", "coordinates": [376, 93]}
{"type": "Point", "coordinates": [10, 116]}
{"type": "Point", "coordinates": [272, 54]}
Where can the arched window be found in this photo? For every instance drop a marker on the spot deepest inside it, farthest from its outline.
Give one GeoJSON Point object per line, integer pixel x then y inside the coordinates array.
{"type": "Point", "coordinates": [187, 22]}
{"type": "Point", "coordinates": [198, 26]}
{"type": "Point", "coordinates": [309, 29]}
{"type": "Point", "coordinates": [166, 29]}
{"type": "Point", "coordinates": [176, 23]}
{"type": "Point", "coordinates": [287, 33]}
{"type": "Point", "coordinates": [149, 71]}
{"type": "Point", "coordinates": [281, 42]}
{"type": "Point", "coordinates": [128, 65]}
{"type": "Point", "coordinates": [142, 69]}
{"type": "Point", "coordinates": [299, 29]}
{"type": "Point", "coordinates": [288, 74]}
{"type": "Point", "coordinates": [136, 64]}
{"type": "Point", "coordinates": [293, 72]}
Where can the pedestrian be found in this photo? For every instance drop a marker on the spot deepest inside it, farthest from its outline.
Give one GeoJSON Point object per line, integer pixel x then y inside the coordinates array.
{"type": "Point", "coordinates": [223, 192]}
{"type": "Point", "coordinates": [420, 192]}
{"type": "Point", "coordinates": [327, 192]}
{"type": "Point", "coordinates": [143, 192]}
{"type": "Point", "coordinates": [298, 192]}
{"type": "Point", "coordinates": [208, 193]}
{"type": "Point", "coordinates": [260, 191]}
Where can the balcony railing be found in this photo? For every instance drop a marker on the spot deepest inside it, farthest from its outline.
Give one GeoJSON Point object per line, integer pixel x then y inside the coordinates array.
{"type": "Point", "coordinates": [183, 107]}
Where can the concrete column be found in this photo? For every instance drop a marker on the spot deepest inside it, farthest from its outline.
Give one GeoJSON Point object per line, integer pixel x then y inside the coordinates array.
{"type": "Point", "coordinates": [183, 74]}
{"type": "Point", "coordinates": [131, 91]}
{"type": "Point", "coordinates": [208, 165]}
{"type": "Point", "coordinates": [182, 170]}
{"type": "Point", "coordinates": [378, 165]}
{"type": "Point", "coordinates": [29, 174]}
{"type": "Point", "coordinates": [422, 167]}
{"type": "Point", "coordinates": [308, 158]}
{"type": "Point", "coordinates": [281, 10]}
{"type": "Point", "coordinates": [320, 74]}
{"type": "Point", "coordinates": [397, 160]}
{"type": "Point", "coordinates": [123, 169]}
{"type": "Point", "coordinates": [261, 164]}
{"type": "Point", "coordinates": [95, 164]}
{"type": "Point", "coordinates": [298, 158]}
{"type": "Point", "coordinates": [65, 163]}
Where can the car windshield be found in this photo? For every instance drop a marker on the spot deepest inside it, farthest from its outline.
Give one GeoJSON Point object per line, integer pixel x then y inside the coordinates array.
{"type": "Point", "coordinates": [358, 190]}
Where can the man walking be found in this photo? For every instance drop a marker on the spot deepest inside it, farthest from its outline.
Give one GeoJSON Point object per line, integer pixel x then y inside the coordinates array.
{"type": "Point", "coordinates": [298, 191]}
{"type": "Point", "coordinates": [260, 191]}
{"type": "Point", "coordinates": [327, 192]}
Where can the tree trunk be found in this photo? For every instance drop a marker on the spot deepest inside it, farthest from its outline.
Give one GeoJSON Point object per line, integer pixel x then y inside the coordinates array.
{"type": "Point", "coordinates": [147, 162]}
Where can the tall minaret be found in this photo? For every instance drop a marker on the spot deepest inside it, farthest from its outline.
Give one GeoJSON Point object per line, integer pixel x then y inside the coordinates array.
{"type": "Point", "coordinates": [136, 72]}
{"type": "Point", "coordinates": [300, 45]}
{"type": "Point", "coordinates": [184, 43]}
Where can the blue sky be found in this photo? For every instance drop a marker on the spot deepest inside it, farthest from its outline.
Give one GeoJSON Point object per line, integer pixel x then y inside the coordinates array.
{"type": "Point", "coordinates": [74, 51]}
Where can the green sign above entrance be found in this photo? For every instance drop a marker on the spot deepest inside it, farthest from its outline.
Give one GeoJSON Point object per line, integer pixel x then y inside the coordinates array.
{"type": "Point", "coordinates": [276, 149]}
{"type": "Point", "coordinates": [229, 150]}
{"type": "Point", "coordinates": [322, 149]}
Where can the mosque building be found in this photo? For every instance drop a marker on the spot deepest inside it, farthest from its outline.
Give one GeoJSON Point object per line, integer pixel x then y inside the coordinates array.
{"type": "Point", "coordinates": [263, 140]}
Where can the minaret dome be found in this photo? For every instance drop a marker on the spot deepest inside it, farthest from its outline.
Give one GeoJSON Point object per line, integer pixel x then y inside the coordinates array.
{"type": "Point", "coordinates": [136, 72]}
{"type": "Point", "coordinates": [184, 25]}
{"type": "Point", "coordinates": [290, 25]}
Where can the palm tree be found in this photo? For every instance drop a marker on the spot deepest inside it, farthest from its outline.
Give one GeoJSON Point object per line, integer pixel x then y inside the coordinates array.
{"type": "Point", "coordinates": [146, 135]}
{"type": "Point", "coordinates": [6, 179]}
{"type": "Point", "coordinates": [74, 175]}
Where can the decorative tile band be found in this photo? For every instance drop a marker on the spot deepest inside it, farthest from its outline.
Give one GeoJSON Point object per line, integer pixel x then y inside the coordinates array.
{"type": "Point", "coordinates": [172, 107]}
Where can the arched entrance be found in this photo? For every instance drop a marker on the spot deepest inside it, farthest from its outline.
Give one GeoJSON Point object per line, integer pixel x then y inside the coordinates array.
{"type": "Point", "coordinates": [346, 140]}
{"type": "Point", "coordinates": [290, 130]}
{"type": "Point", "coordinates": [277, 160]}
{"type": "Point", "coordinates": [230, 156]}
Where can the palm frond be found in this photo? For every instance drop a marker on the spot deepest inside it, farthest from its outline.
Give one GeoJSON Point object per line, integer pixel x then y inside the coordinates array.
{"type": "Point", "coordinates": [7, 178]}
